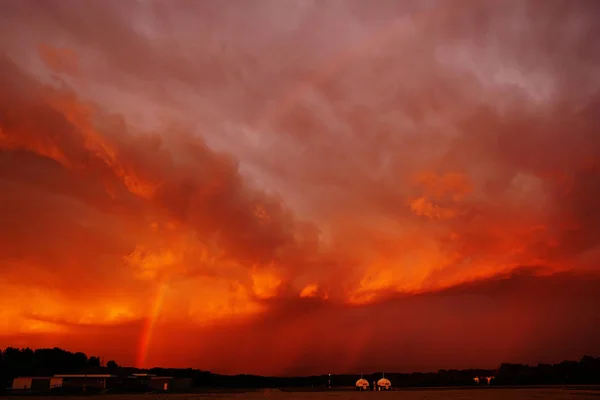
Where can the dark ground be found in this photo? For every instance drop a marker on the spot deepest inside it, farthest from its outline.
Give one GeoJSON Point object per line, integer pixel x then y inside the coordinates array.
{"type": "Point", "coordinates": [538, 393]}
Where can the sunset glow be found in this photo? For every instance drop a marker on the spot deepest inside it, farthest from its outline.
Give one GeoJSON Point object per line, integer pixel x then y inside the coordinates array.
{"type": "Point", "coordinates": [208, 184]}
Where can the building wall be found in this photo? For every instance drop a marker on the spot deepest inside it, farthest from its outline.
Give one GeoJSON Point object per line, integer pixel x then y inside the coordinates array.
{"type": "Point", "coordinates": [141, 380]}
{"type": "Point", "coordinates": [21, 383]}
{"type": "Point", "coordinates": [182, 383]}
{"type": "Point", "coordinates": [33, 384]}
{"type": "Point", "coordinates": [158, 383]}
{"type": "Point", "coordinates": [87, 382]}
{"type": "Point", "coordinates": [56, 383]}
{"type": "Point", "coordinates": [133, 383]}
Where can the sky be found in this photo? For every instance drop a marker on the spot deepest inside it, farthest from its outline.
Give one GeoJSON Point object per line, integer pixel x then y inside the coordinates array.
{"type": "Point", "coordinates": [300, 186]}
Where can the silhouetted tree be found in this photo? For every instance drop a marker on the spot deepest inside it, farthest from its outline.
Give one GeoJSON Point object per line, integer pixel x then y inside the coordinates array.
{"type": "Point", "coordinates": [94, 361]}
{"type": "Point", "coordinates": [42, 362]}
{"type": "Point", "coordinates": [80, 359]}
{"type": "Point", "coordinates": [112, 365]}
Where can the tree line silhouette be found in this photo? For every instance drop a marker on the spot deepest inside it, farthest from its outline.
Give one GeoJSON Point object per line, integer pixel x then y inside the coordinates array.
{"type": "Point", "coordinates": [46, 362]}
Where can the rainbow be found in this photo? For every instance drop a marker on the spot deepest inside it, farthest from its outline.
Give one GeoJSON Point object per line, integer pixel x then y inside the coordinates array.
{"type": "Point", "coordinates": [149, 323]}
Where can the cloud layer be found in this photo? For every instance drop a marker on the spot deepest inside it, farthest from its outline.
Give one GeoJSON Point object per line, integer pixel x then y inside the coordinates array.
{"type": "Point", "coordinates": [308, 179]}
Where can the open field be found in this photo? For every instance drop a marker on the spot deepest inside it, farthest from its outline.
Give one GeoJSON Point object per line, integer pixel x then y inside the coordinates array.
{"type": "Point", "coordinates": [582, 393]}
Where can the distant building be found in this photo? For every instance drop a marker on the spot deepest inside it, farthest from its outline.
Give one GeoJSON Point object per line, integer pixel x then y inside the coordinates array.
{"type": "Point", "coordinates": [55, 383]}
{"type": "Point", "coordinates": [156, 383]}
{"type": "Point", "coordinates": [84, 382]}
{"type": "Point", "coordinates": [31, 384]}
{"type": "Point", "coordinates": [169, 383]}
{"type": "Point", "coordinates": [140, 379]}
{"type": "Point", "coordinates": [100, 382]}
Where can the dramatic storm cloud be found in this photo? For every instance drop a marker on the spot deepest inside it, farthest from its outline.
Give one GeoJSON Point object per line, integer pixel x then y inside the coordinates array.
{"type": "Point", "coordinates": [210, 184]}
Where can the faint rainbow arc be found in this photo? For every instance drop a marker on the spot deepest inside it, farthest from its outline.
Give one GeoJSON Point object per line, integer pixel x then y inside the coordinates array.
{"type": "Point", "coordinates": [149, 324]}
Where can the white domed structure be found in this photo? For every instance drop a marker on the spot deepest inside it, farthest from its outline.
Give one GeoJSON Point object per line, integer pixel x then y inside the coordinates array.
{"type": "Point", "coordinates": [362, 384]}
{"type": "Point", "coordinates": [384, 384]}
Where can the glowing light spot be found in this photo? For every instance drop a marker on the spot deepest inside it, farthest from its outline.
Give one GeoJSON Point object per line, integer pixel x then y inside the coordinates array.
{"type": "Point", "coordinates": [309, 290]}
{"type": "Point", "coordinates": [265, 284]}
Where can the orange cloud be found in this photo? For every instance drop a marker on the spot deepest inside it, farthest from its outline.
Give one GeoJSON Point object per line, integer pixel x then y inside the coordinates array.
{"type": "Point", "coordinates": [422, 206]}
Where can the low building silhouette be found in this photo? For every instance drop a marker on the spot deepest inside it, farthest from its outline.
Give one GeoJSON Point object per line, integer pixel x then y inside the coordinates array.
{"type": "Point", "coordinates": [83, 382]}
{"type": "Point", "coordinates": [169, 383]}
{"type": "Point", "coordinates": [150, 382]}
{"type": "Point", "coordinates": [31, 384]}
{"type": "Point", "coordinates": [100, 382]}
